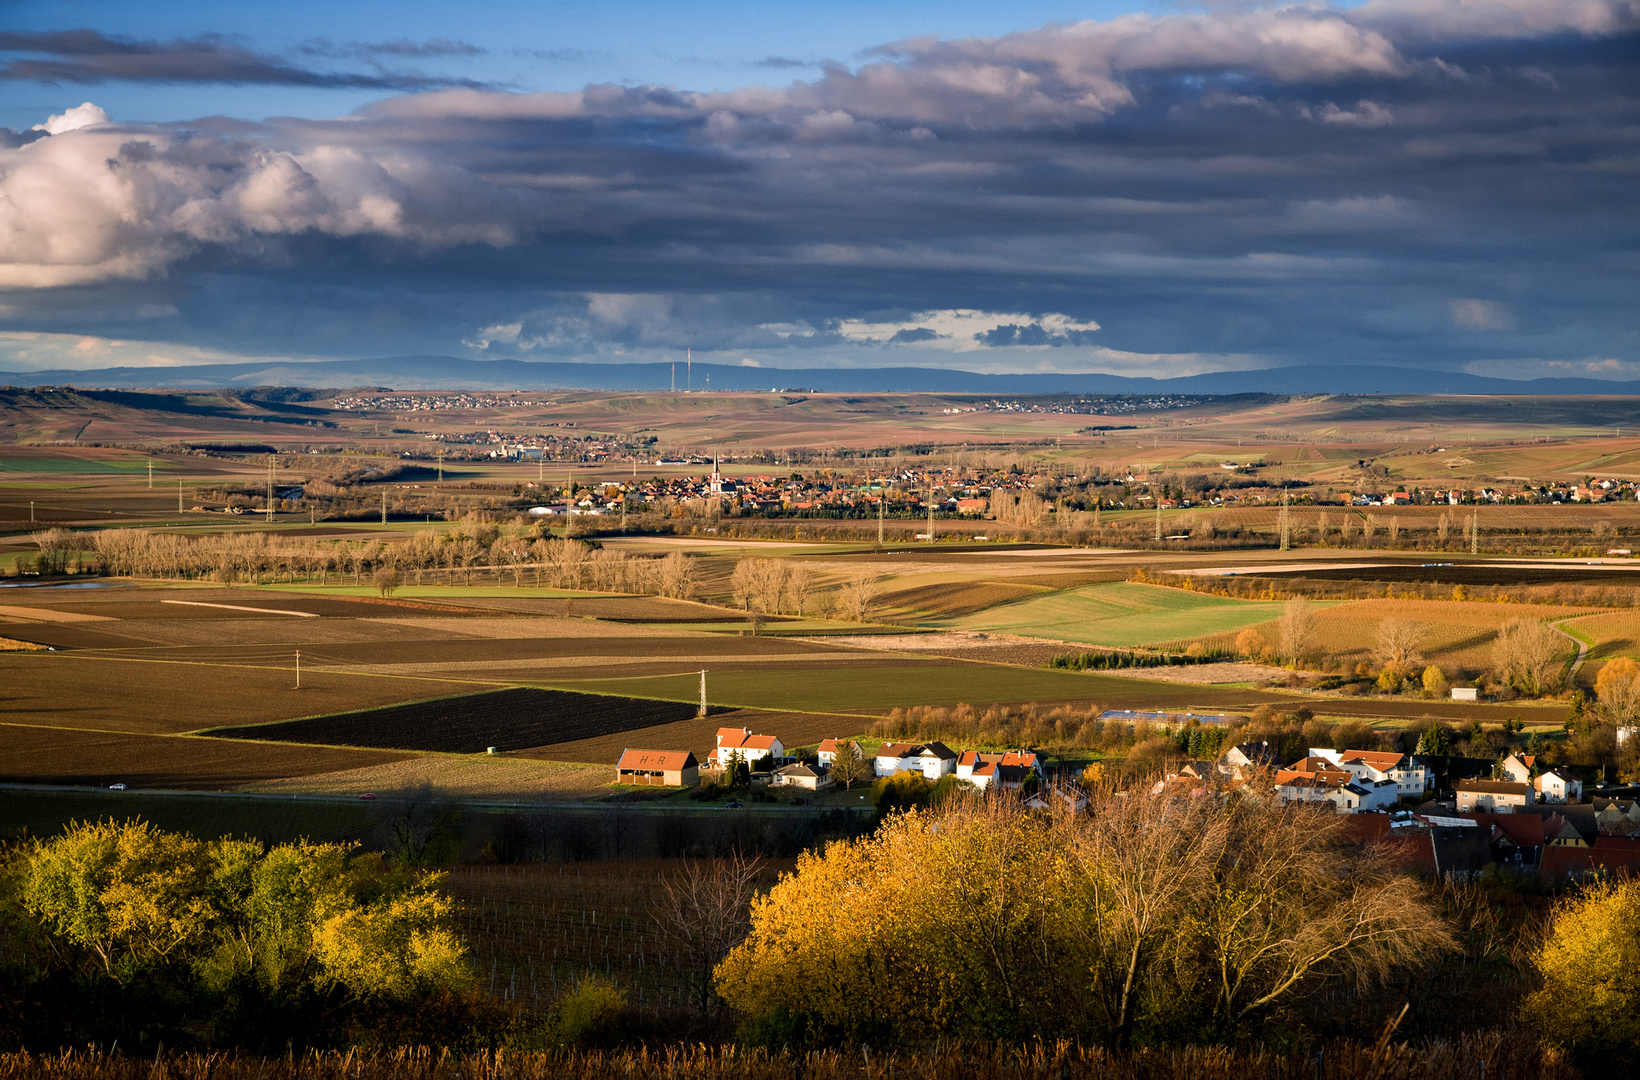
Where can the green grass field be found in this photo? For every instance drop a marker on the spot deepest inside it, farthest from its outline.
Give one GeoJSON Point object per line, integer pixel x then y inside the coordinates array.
{"type": "Point", "coordinates": [872, 687]}
{"type": "Point", "coordinates": [1119, 614]}
{"type": "Point", "coordinates": [45, 813]}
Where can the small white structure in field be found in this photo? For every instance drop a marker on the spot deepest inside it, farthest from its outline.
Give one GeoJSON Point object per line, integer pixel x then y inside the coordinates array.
{"type": "Point", "coordinates": [1465, 693]}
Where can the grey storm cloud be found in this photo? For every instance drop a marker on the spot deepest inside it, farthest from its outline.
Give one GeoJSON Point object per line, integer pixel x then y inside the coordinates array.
{"type": "Point", "coordinates": [87, 56]}
{"type": "Point", "coordinates": [1434, 181]}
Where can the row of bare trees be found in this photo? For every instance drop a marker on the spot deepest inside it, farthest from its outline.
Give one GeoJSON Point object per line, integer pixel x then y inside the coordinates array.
{"type": "Point", "coordinates": [555, 562]}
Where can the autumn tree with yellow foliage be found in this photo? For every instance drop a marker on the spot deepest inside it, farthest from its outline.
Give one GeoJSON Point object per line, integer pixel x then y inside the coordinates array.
{"type": "Point", "coordinates": [1144, 919]}
{"type": "Point", "coordinates": [230, 924]}
{"type": "Point", "coordinates": [1590, 966]}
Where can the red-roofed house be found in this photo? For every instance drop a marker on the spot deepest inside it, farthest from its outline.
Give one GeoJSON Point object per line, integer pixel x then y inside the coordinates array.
{"type": "Point", "coordinates": [657, 768]}
{"type": "Point", "coordinates": [1010, 769]}
{"type": "Point", "coordinates": [1317, 779]}
{"type": "Point", "coordinates": [1411, 777]}
{"type": "Point", "coordinates": [829, 748]}
{"type": "Point", "coordinates": [751, 749]}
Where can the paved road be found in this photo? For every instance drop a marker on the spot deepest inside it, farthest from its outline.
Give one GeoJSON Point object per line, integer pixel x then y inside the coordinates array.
{"type": "Point", "coordinates": [1582, 649]}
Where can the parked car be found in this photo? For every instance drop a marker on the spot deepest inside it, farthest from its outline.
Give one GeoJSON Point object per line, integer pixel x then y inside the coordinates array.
{"type": "Point", "coordinates": [116, 787]}
{"type": "Point", "coordinates": [732, 804]}
{"type": "Point", "coordinates": [368, 795]}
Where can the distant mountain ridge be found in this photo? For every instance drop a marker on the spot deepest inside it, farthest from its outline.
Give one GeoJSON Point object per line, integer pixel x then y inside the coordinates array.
{"type": "Point", "coordinates": [456, 373]}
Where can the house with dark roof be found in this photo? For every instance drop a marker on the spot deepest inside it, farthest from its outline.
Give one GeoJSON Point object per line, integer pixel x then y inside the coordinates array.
{"type": "Point", "coordinates": [932, 759]}
{"type": "Point", "coordinates": [800, 775]}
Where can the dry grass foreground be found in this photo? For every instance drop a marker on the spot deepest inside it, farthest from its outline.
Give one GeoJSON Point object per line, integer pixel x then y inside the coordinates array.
{"type": "Point", "coordinates": [1473, 1057]}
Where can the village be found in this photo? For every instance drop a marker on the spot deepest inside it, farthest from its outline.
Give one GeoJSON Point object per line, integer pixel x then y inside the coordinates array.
{"type": "Point", "coordinates": [1447, 815]}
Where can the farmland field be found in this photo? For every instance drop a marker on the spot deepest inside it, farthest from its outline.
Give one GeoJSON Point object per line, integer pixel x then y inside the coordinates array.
{"type": "Point", "coordinates": [510, 719]}
{"type": "Point", "coordinates": [38, 754]}
{"type": "Point", "coordinates": [1118, 614]}
{"type": "Point", "coordinates": [42, 813]}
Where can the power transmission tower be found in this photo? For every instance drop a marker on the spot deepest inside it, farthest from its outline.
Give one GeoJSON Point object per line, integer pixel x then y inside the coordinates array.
{"type": "Point", "coordinates": [1475, 531]}
{"type": "Point", "coordinates": [1158, 519]}
{"type": "Point", "coordinates": [179, 496]}
{"type": "Point", "coordinates": [930, 515]}
{"type": "Point", "coordinates": [441, 464]}
{"type": "Point", "coordinates": [882, 498]}
{"type": "Point", "coordinates": [1286, 524]}
{"type": "Point", "coordinates": [702, 710]}
{"type": "Point", "coordinates": [271, 460]}
{"type": "Point", "coordinates": [384, 506]}
{"type": "Point", "coordinates": [150, 474]}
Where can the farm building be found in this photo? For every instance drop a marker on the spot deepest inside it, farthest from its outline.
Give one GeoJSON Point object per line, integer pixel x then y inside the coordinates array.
{"type": "Point", "coordinates": [657, 768]}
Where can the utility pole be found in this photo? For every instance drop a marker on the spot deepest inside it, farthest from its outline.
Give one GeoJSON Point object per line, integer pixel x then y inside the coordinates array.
{"type": "Point", "coordinates": [150, 474]}
{"type": "Point", "coordinates": [702, 710]}
{"type": "Point", "coordinates": [298, 669]}
{"type": "Point", "coordinates": [31, 511]}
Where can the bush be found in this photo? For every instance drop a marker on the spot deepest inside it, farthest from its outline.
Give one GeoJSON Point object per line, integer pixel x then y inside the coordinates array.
{"type": "Point", "coordinates": [590, 1013]}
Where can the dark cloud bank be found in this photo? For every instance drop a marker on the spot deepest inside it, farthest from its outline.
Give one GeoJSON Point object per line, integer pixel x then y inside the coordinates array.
{"type": "Point", "coordinates": [1417, 183]}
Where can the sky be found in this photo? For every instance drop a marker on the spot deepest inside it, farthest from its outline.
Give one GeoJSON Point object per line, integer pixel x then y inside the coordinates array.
{"type": "Point", "coordinates": [1143, 189]}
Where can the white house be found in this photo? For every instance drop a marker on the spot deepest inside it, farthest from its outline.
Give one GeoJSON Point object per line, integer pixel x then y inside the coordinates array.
{"type": "Point", "coordinates": [1557, 787]}
{"type": "Point", "coordinates": [800, 776]}
{"type": "Point", "coordinates": [1517, 768]}
{"type": "Point", "coordinates": [1491, 796]}
{"type": "Point", "coordinates": [1319, 779]}
{"type": "Point", "coordinates": [1411, 777]}
{"type": "Point", "coordinates": [752, 749]}
{"type": "Point", "coordinates": [933, 759]}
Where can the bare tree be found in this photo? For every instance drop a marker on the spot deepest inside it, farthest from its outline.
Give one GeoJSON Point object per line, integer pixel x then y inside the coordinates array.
{"type": "Point", "coordinates": [703, 911]}
{"type": "Point", "coordinates": [1297, 627]}
{"type": "Point", "coordinates": [419, 825]}
{"type": "Point", "coordinates": [860, 596]}
{"type": "Point", "coordinates": [1399, 644]}
{"type": "Point", "coordinates": [799, 583]}
{"type": "Point", "coordinates": [677, 578]}
{"type": "Point", "coordinates": [1528, 655]}
{"type": "Point", "coordinates": [850, 766]}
